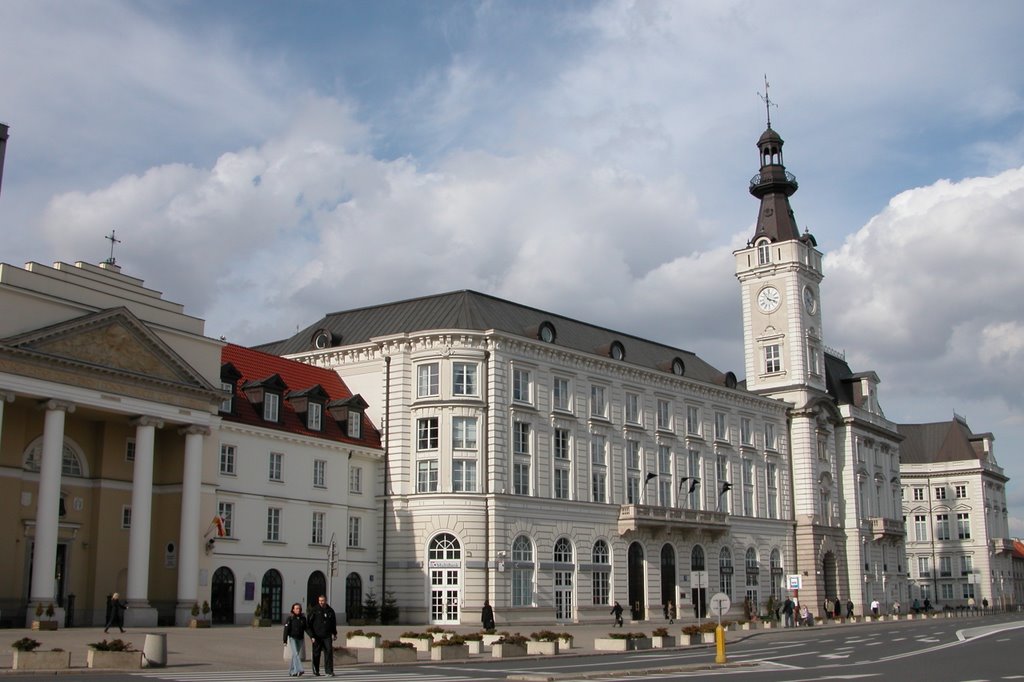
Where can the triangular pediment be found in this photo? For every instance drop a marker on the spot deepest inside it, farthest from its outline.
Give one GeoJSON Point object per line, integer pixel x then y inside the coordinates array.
{"type": "Point", "coordinates": [112, 341]}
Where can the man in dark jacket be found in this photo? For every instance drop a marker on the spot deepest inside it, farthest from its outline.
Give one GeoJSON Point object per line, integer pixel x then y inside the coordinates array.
{"type": "Point", "coordinates": [323, 629]}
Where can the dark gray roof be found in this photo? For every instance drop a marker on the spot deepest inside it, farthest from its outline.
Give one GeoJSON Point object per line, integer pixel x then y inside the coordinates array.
{"type": "Point", "coordinates": [950, 441]}
{"type": "Point", "coordinates": [837, 379]}
{"type": "Point", "coordinates": [475, 311]}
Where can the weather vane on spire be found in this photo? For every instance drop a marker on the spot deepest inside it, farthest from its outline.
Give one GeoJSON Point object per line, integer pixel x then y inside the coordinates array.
{"type": "Point", "coordinates": [768, 103]}
{"type": "Point", "coordinates": [113, 240]}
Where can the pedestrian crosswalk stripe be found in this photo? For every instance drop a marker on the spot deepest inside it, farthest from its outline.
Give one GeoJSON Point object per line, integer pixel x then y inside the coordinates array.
{"type": "Point", "coordinates": [256, 675]}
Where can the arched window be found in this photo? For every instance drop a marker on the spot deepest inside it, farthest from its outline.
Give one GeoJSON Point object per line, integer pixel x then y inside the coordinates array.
{"type": "Point", "coordinates": [316, 585]}
{"type": "Point", "coordinates": [563, 551]}
{"type": "Point", "coordinates": [445, 546]}
{"type": "Point", "coordinates": [697, 558]}
{"type": "Point", "coordinates": [601, 575]}
{"type": "Point", "coordinates": [775, 563]}
{"type": "Point", "coordinates": [753, 581]}
{"type": "Point", "coordinates": [522, 571]}
{"type": "Point", "coordinates": [725, 572]}
{"type": "Point", "coordinates": [72, 461]}
{"type": "Point", "coordinates": [271, 594]}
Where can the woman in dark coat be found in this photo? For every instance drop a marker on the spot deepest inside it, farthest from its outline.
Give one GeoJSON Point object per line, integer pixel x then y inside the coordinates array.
{"type": "Point", "coordinates": [294, 634]}
{"type": "Point", "coordinates": [116, 616]}
{"type": "Point", "coordinates": [487, 616]}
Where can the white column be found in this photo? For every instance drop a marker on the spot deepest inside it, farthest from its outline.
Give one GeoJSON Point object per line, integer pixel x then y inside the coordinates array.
{"type": "Point", "coordinates": [4, 398]}
{"type": "Point", "coordinates": [188, 543]}
{"type": "Point", "coordinates": [44, 554]}
{"type": "Point", "coordinates": [142, 512]}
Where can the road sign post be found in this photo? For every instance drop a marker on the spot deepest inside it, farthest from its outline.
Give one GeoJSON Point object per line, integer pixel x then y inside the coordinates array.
{"type": "Point", "coordinates": [720, 604]}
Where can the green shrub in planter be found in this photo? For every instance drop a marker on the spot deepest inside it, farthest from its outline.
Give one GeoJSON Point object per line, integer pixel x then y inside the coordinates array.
{"type": "Point", "coordinates": [394, 644]}
{"type": "Point", "coordinates": [112, 645]}
{"type": "Point", "coordinates": [25, 644]}
{"type": "Point", "coordinates": [508, 638]}
{"type": "Point", "coordinates": [545, 636]}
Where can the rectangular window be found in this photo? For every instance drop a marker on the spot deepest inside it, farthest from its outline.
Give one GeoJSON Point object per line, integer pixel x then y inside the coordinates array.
{"type": "Point", "coordinates": [354, 424]}
{"type": "Point", "coordinates": [355, 479]}
{"type": "Point", "coordinates": [918, 494]}
{"type": "Point", "coordinates": [319, 473]}
{"type": "Point", "coordinates": [722, 473]}
{"type": "Point", "coordinates": [665, 460]}
{"type": "Point", "coordinates": [746, 435]}
{"type": "Point", "coordinates": [428, 380]}
{"type": "Point", "coordinates": [126, 516]}
{"type": "Point", "coordinates": [966, 565]}
{"type": "Point", "coordinates": [772, 359]}
{"type": "Point", "coordinates": [772, 476]}
{"type": "Point", "coordinates": [227, 405]}
{"type": "Point", "coordinates": [769, 437]}
{"type": "Point", "coordinates": [664, 415]}
{"type": "Point", "coordinates": [693, 420]}
{"type": "Point", "coordinates": [823, 449]}
{"type": "Point", "coordinates": [314, 416]}
{"type": "Point", "coordinates": [464, 433]}
{"type": "Point", "coordinates": [598, 448]}
{"type": "Point", "coordinates": [945, 567]}
{"type": "Point", "coordinates": [632, 408]}
{"type": "Point", "coordinates": [601, 587]}
{"type": "Point", "coordinates": [464, 475]}
{"type": "Point", "coordinates": [273, 524]}
{"type": "Point", "coordinates": [940, 493]}
{"type": "Point", "coordinates": [520, 438]}
{"type": "Point", "coordinates": [598, 406]}
{"type": "Point", "coordinates": [426, 433]}
{"type": "Point", "coordinates": [942, 526]}
{"type": "Point", "coordinates": [960, 491]}
{"type": "Point", "coordinates": [924, 566]}
{"type": "Point", "coordinates": [317, 530]}
{"type": "Point", "coordinates": [946, 591]}
{"type": "Point", "coordinates": [632, 489]}
{"type": "Point", "coordinates": [464, 378]}
{"type": "Point", "coordinates": [522, 584]}
{"type": "Point", "coordinates": [521, 392]}
{"type": "Point", "coordinates": [226, 512]}
{"type": "Point", "coordinates": [275, 466]}
{"type": "Point", "coordinates": [693, 485]}
{"type": "Point", "coordinates": [598, 469]}
{"type": "Point", "coordinates": [561, 483]}
{"type": "Point", "coordinates": [748, 487]}
{"type": "Point", "coordinates": [599, 485]}
{"type": "Point", "coordinates": [227, 459]}
{"type": "Point", "coordinates": [812, 359]}
{"type": "Point", "coordinates": [271, 406]}
{"type": "Point", "coordinates": [129, 450]}
{"type": "Point", "coordinates": [563, 444]}
{"type": "Point", "coordinates": [354, 528]}
{"type": "Point", "coordinates": [520, 478]}
{"type": "Point", "coordinates": [968, 590]}
{"type": "Point", "coordinates": [963, 526]}
{"type": "Point", "coordinates": [633, 455]}
{"type": "Point", "coordinates": [561, 394]}
{"type": "Point", "coordinates": [721, 426]}
{"type": "Point", "coordinates": [921, 527]}
{"type": "Point", "coordinates": [764, 256]}
{"type": "Point", "coordinates": [426, 476]}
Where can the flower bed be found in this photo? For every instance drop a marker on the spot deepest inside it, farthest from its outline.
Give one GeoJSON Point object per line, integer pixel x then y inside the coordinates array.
{"type": "Point", "coordinates": [357, 639]}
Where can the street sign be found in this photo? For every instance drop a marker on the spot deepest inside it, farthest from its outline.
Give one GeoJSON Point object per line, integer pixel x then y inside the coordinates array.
{"type": "Point", "coordinates": [700, 580]}
{"type": "Point", "coordinates": [720, 604]}
{"type": "Point", "coordinates": [795, 582]}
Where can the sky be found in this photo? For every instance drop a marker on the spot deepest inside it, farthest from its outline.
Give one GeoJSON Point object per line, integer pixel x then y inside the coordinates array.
{"type": "Point", "coordinates": [265, 163]}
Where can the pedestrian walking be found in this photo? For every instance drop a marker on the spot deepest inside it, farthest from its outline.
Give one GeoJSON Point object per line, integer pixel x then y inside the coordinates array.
{"type": "Point", "coordinates": [849, 608]}
{"type": "Point", "coordinates": [116, 615]}
{"type": "Point", "coordinates": [896, 607]}
{"type": "Point", "coordinates": [487, 616]}
{"type": "Point", "coordinates": [617, 612]}
{"type": "Point", "coordinates": [671, 612]}
{"type": "Point", "coordinates": [787, 612]}
{"type": "Point", "coordinates": [323, 630]}
{"type": "Point", "coordinates": [838, 612]}
{"type": "Point", "coordinates": [294, 634]}
{"type": "Point", "coordinates": [874, 608]}
{"type": "Point", "coordinates": [826, 608]}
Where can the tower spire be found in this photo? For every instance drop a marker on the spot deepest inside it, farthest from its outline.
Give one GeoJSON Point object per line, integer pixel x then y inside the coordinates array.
{"type": "Point", "coordinates": [768, 103]}
{"type": "Point", "coordinates": [773, 184]}
{"type": "Point", "coordinates": [112, 238]}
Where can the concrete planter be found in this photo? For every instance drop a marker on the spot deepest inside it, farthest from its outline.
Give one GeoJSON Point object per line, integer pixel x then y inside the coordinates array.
{"type": "Point", "coordinates": [421, 644]}
{"type": "Point", "coordinates": [768, 624]}
{"type": "Point", "coordinates": [750, 625]}
{"type": "Point", "coordinates": [475, 646]}
{"type": "Point", "coordinates": [398, 655]}
{"type": "Point", "coordinates": [565, 643]}
{"type": "Point", "coordinates": [438, 636]}
{"type": "Point", "coordinates": [690, 640]}
{"type": "Point", "coordinates": [663, 642]}
{"type": "Point", "coordinates": [641, 644]}
{"type": "Point", "coordinates": [198, 623]}
{"type": "Point", "coordinates": [362, 641]}
{"type": "Point", "coordinates": [114, 660]}
{"type": "Point", "coordinates": [508, 650]}
{"type": "Point", "coordinates": [541, 648]}
{"type": "Point", "coordinates": [610, 644]}
{"type": "Point", "coordinates": [344, 658]}
{"type": "Point", "coordinates": [489, 640]}
{"type": "Point", "coordinates": [707, 637]}
{"type": "Point", "coordinates": [41, 660]}
{"type": "Point", "coordinates": [44, 625]}
{"type": "Point", "coordinates": [451, 652]}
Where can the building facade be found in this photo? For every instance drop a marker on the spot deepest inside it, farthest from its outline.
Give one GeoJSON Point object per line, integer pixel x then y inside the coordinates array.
{"type": "Point", "coordinates": [954, 500]}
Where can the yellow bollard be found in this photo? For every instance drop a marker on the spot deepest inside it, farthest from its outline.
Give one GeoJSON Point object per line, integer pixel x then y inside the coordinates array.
{"type": "Point", "coordinates": [719, 644]}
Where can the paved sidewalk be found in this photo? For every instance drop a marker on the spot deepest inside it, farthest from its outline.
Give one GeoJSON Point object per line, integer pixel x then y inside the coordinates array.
{"type": "Point", "coordinates": [238, 647]}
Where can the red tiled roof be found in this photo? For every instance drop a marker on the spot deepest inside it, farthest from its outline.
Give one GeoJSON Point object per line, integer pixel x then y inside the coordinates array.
{"type": "Point", "coordinates": [297, 376]}
{"type": "Point", "coordinates": [1018, 548]}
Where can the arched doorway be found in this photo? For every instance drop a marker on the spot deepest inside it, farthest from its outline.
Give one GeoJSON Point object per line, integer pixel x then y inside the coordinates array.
{"type": "Point", "coordinates": [353, 597]}
{"type": "Point", "coordinates": [830, 576]}
{"type": "Point", "coordinates": [315, 586]}
{"type": "Point", "coordinates": [271, 593]}
{"type": "Point", "coordinates": [668, 575]}
{"type": "Point", "coordinates": [444, 564]}
{"type": "Point", "coordinates": [636, 576]}
{"type": "Point", "coordinates": [222, 596]}
{"type": "Point", "coordinates": [698, 583]}
{"type": "Point", "coordinates": [564, 573]}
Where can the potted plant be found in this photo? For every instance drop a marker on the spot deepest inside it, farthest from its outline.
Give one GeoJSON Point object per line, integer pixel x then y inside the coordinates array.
{"type": "Point", "coordinates": [474, 642]}
{"type": "Point", "coordinates": [357, 639]}
{"type": "Point", "coordinates": [544, 643]}
{"type": "Point", "coordinates": [660, 639]}
{"type": "Point", "coordinates": [490, 636]}
{"type": "Point", "coordinates": [509, 646]}
{"type": "Point", "coordinates": [44, 623]}
{"type": "Point", "coordinates": [623, 641]}
{"type": "Point", "coordinates": [420, 641]}
{"type": "Point", "coordinates": [197, 621]}
{"type": "Point", "coordinates": [27, 658]}
{"type": "Point", "coordinates": [115, 654]}
{"type": "Point", "coordinates": [565, 640]}
{"type": "Point", "coordinates": [391, 651]}
{"type": "Point", "coordinates": [691, 634]}
{"type": "Point", "coordinates": [707, 632]}
{"type": "Point", "coordinates": [449, 648]}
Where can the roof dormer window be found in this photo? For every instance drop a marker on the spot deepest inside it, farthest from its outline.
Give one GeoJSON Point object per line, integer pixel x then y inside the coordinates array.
{"type": "Point", "coordinates": [309, 405]}
{"type": "Point", "coordinates": [229, 377]}
{"type": "Point", "coordinates": [265, 396]}
{"type": "Point", "coordinates": [349, 414]}
{"type": "Point", "coordinates": [271, 407]}
{"type": "Point", "coordinates": [314, 417]}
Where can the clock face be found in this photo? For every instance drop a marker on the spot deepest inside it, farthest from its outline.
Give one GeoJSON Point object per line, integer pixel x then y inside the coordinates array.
{"type": "Point", "coordinates": [768, 300]}
{"type": "Point", "coordinates": [810, 301]}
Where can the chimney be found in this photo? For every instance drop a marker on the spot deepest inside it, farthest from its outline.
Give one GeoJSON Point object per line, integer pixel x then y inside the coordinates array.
{"type": "Point", "coordinates": [3, 150]}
